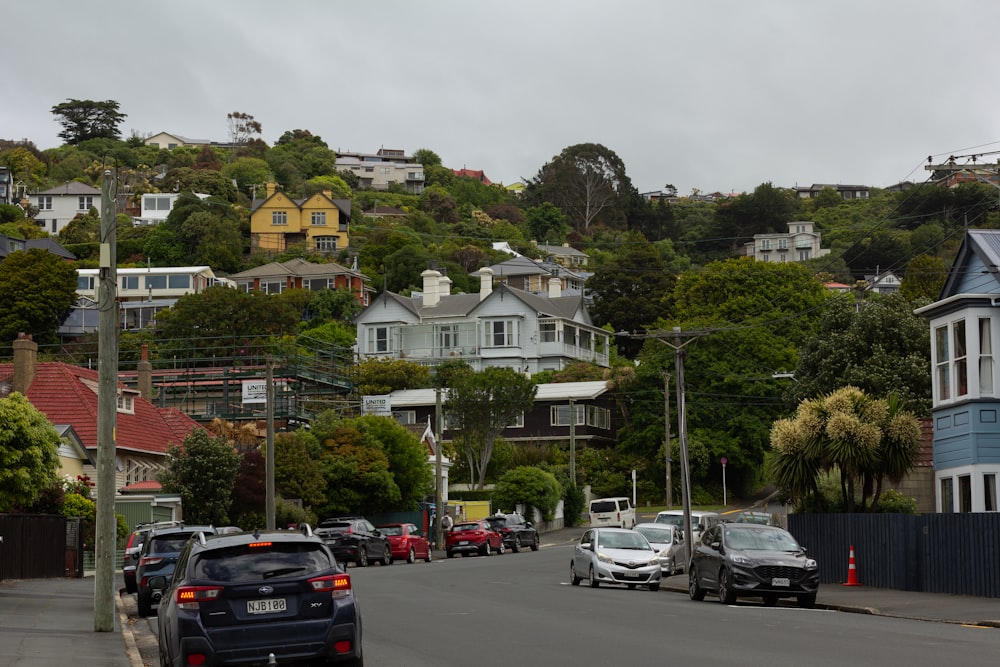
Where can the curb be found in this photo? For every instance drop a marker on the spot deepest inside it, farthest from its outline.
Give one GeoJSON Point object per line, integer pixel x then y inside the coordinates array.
{"type": "Point", "coordinates": [131, 650]}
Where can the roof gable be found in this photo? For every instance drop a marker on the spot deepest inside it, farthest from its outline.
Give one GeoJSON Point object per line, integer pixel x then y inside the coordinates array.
{"type": "Point", "coordinates": [976, 269]}
{"type": "Point", "coordinates": [71, 188]}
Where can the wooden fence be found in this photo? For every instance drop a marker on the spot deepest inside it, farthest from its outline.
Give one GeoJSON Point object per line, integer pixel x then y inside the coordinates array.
{"type": "Point", "coordinates": [36, 546]}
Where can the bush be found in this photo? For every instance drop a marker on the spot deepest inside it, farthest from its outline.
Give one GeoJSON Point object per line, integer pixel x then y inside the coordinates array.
{"type": "Point", "coordinates": [530, 487]}
{"type": "Point", "coordinates": [894, 502]}
{"type": "Point", "coordinates": [573, 504]}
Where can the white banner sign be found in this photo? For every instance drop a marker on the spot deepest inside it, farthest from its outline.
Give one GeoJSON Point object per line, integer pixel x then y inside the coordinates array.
{"type": "Point", "coordinates": [380, 406]}
{"type": "Point", "coordinates": [255, 391]}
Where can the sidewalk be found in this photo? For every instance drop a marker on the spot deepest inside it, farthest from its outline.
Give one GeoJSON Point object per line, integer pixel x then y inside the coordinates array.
{"type": "Point", "coordinates": [50, 623]}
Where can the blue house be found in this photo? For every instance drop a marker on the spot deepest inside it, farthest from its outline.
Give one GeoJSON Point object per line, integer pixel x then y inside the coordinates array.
{"type": "Point", "coordinates": [965, 328]}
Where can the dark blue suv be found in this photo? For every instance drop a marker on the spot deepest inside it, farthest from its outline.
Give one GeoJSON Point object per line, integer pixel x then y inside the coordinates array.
{"type": "Point", "coordinates": [159, 555]}
{"type": "Point", "coordinates": [274, 597]}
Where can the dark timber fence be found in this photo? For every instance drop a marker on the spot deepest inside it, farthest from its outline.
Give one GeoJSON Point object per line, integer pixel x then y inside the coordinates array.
{"type": "Point", "coordinates": [935, 553]}
{"type": "Point", "coordinates": [34, 546]}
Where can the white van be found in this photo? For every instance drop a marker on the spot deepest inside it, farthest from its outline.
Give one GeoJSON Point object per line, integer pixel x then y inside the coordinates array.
{"type": "Point", "coordinates": [617, 512]}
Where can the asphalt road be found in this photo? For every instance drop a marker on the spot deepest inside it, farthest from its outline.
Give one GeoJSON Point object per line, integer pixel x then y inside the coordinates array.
{"type": "Point", "coordinates": [521, 609]}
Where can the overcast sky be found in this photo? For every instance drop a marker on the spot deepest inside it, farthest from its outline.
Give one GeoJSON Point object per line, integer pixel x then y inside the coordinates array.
{"type": "Point", "coordinates": [713, 95]}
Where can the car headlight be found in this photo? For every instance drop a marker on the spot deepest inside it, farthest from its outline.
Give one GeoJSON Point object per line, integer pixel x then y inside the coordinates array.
{"type": "Point", "coordinates": [811, 564]}
{"type": "Point", "coordinates": [740, 559]}
{"type": "Point", "coordinates": [654, 561]}
{"type": "Point", "coordinates": [665, 554]}
{"type": "Point", "coordinates": [604, 558]}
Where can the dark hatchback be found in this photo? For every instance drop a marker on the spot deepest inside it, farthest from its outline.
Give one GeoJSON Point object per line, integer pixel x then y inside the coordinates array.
{"type": "Point", "coordinates": [157, 560]}
{"type": "Point", "coordinates": [354, 539]}
{"type": "Point", "coordinates": [515, 531]}
{"type": "Point", "coordinates": [274, 597]}
{"type": "Point", "coordinates": [752, 560]}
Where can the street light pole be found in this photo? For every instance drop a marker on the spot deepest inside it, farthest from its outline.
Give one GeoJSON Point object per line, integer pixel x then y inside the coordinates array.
{"type": "Point", "coordinates": [666, 438]}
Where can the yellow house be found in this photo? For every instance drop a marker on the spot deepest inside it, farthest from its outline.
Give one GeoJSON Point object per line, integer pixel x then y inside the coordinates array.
{"type": "Point", "coordinates": [319, 222]}
{"type": "Point", "coordinates": [73, 455]}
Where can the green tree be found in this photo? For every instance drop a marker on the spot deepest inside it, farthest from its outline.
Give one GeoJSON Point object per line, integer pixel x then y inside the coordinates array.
{"type": "Point", "coordinates": [866, 440]}
{"type": "Point", "coordinates": [426, 157]}
{"type": "Point", "coordinates": [296, 474]}
{"type": "Point", "coordinates": [87, 119]}
{"type": "Point", "coordinates": [297, 156]}
{"type": "Point", "coordinates": [381, 376]}
{"type": "Point", "coordinates": [406, 454]}
{"type": "Point", "coordinates": [480, 406]}
{"type": "Point", "coordinates": [768, 209]}
{"type": "Point", "coordinates": [203, 471]}
{"type": "Point", "coordinates": [248, 172]}
{"type": "Point", "coordinates": [334, 304]}
{"type": "Point", "coordinates": [925, 276]}
{"type": "Point", "coordinates": [531, 487]}
{"type": "Point", "coordinates": [28, 452]}
{"type": "Point", "coordinates": [357, 474]}
{"type": "Point", "coordinates": [37, 293]}
{"type": "Point", "coordinates": [546, 223]}
{"type": "Point", "coordinates": [879, 346]}
{"type": "Point", "coordinates": [250, 491]}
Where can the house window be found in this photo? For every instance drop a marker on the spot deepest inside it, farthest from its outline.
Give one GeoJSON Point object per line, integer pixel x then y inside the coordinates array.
{"type": "Point", "coordinates": [279, 218]}
{"type": "Point", "coordinates": [130, 282]}
{"type": "Point", "coordinates": [179, 282]}
{"type": "Point", "coordinates": [985, 358]}
{"type": "Point", "coordinates": [152, 203]}
{"type": "Point", "coordinates": [990, 492]}
{"type": "Point", "coordinates": [500, 333]}
{"type": "Point", "coordinates": [45, 203]}
{"type": "Point", "coordinates": [961, 368]}
{"type": "Point", "coordinates": [943, 363]}
{"type": "Point", "coordinates": [326, 243]}
{"type": "Point", "coordinates": [126, 403]}
{"type": "Point", "coordinates": [156, 282]}
{"type": "Point", "coordinates": [804, 255]}
{"type": "Point", "coordinates": [548, 332]}
{"type": "Point", "coordinates": [518, 421]}
{"type": "Point", "coordinates": [84, 203]}
{"type": "Point", "coordinates": [965, 493]}
{"type": "Point", "coordinates": [447, 337]}
{"type": "Point", "coordinates": [378, 340]}
{"type": "Point", "coordinates": [318, 217]}
{"type": "Point", "coordinates": [85, 283]}
{"type": "Point", "coordinates": [559, 415]}
{"type": "Point", "coordinates": [272, 286]}
{"type": "Point", "coordinates": [765, 244]}
{"type": "Point", "coordinates": [317, 284]}
{"type": "Point", "coordinates": [947, 499]}
{"type": "Point", "coordinates": [598, 417]}
{"type": "Point", "coordinates": [782, 244]}
{"type": "Point", "coordinates": [405, 416]}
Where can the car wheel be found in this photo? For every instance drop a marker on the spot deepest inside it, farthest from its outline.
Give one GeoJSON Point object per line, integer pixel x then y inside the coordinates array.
{"type": "Point", "coordinates": [429, 557]}
{"type": "Point", "coordinates": [516, 547]}
{"type": "Point", "coordinates": [770, 600]}
{"type": "Point", "coordinates": [501, 549]}
{"type": "Point", "coordinates": [654, 587]}
{"type": "Point", "coordinates": [145, 605]}
{"type": "Point", "coordinates": [573, 579]}
{"type": "Point", "coordinates": [594, 583]}
{"type": "Point", "coordinates": [362, 556]}
{"type": "Point", "coordinates": [450, 553]}
{"type": "Point", "coordinates": [486, 548]}
{"type": "Point", "coordinates": [386, 556]}
{"type": "Point", "coordinates": [163, 659]}
{"type": "Point", "coordinates": [807, 601]}
{"type": "Point", "coordinates": [534, 543]}
{"type": "Point", "coordinates": [726, 594]}
{"type": "Point", "coordinates": [411, 557]}
{"type": "Point", "coordinates": [696, 592]}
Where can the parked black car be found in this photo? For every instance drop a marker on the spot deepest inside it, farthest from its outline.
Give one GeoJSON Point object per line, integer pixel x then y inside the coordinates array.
{"type": "Point", "coordinates": [516, 532]}
{"type": "Point", "coordinates": [157, 560]}
{"type": "Point", "coordinates": [273, 597]}
{"type": "Point", "coordinates": [133, 550]}
{"type": "Point", "coordinates": [353, 539]}
{"type": "Point", "coordinates": [752, 560]}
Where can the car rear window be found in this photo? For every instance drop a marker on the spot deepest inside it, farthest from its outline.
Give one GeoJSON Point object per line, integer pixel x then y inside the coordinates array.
{"type": "Point", "coordinates": [165, 544]}
{"type": "Point", "coordinates": [391, 530]}
{"type": "Point", "coordinates": [462, 527]}
{"type": "Point", "coordinates": [603, 506]}
{"type": "Point", "coordinates": [659, 535]}
{"type": "Point", "coordinates": [244, 563]}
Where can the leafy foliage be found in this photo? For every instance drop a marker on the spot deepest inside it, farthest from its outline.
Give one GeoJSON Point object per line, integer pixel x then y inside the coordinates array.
{"type": "Point", "coordinates": [530, 487]}
{"type": "Point", "coordinates": [87, 119]}
{"type": "Point", "coordinates": [203, 471]}
{"type": "Point", "coordinates": [381, 376]}
{"type": "Point", "coordinates": [28, 458]}
{"type": "Point", "coordinates": [37, 293]}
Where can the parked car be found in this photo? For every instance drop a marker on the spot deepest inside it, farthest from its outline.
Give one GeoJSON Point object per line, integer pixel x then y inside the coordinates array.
{"type": "Point", "coordinates": [159, 557]}
{"type": "Point", "coordinates": [473, 537]}
{"type": "Point", "coordinates": [353, 539]}
{"type": "Point", "coordinates": [700, 522]}
{"type": "Point", "coordinates": [515, 531]}
{"type": "Point", "coordinates": [615, 556]}
{"type": "Point", "coordinates": [273, 597]}
{"type": "Point", "coordinates": [406, 542]}
{"type": "Point", "coordinates": [133, 550]}
{"type": "Point", "coordinates": [668, 541]}
{"type": "Point", "coordinates": [612, 512]}
{"type": "Point", "coordinates": [751, 560]}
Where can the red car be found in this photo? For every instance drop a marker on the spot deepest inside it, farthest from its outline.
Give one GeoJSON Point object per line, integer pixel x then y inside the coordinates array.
{"type": "Point", "coordinates": [473, 537]}
{"type": "Point", "coordinates": [406, 542]}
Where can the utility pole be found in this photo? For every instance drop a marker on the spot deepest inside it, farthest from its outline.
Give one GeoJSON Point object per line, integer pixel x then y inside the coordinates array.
{"type": "Point", "coordinates": [438, 475]}
{"type": "Point", "coordinates": [107, 406]}
{"type": "Point", "coordinates": [973, 167]}
{"type": "Point", "coordinates": [666, 437]}
{"type": "Point", "coordinates": [572, 442]}
{"type": "Point", "coordinates": [269, 501]}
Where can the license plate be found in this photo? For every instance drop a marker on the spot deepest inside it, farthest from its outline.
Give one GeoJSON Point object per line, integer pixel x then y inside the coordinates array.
{"type": "Point", "coordinates": [780, 581]}
{"type": "Point", "coordinates": [633, 575]}
{"type": "Point", "coordinates": [266, 606]}
{"type": "Point", "coordinates": [463, 543]}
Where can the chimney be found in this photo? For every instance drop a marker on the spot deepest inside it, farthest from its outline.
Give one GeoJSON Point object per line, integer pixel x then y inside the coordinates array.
{"type": "Point", "coordinates": [555, 286]}
{"type": "Point", "coordinates": [271, 188]}
{"type": "Point", "coordinates": [485, 282]}
{"type": "Point", "coordinates": [431, 294]}
{"type": "Point", "coordinates": [444, 286]}
{"type": "Point", "coordinates": [145, 373]}
{"type": "Point", "coordinates": [25, 362]}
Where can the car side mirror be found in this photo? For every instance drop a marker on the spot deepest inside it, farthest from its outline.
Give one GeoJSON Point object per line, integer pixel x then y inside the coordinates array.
{"type": "Point", "coordinates": [716, 545]}
{"type": "Point", "coordinates": [587, 545]}
{"type": "Point", "coordinates": [157, 583]}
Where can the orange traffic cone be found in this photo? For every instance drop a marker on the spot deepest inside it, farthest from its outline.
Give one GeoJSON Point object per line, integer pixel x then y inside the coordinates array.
{"type": "Point", "coordinates": [852, 571]}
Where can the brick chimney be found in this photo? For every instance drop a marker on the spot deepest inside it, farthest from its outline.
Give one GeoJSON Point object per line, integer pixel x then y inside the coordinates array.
{"type": "Point", "coordinates": [25, 362]}
{"type": "Point", "coordinates": [271, 188]}
{"type": "Point", "coordinates": [145, 373]}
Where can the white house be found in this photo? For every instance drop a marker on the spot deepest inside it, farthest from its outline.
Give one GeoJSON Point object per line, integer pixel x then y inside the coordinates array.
{"type": "Point", "coordinates": [58, 205]}
{"type": "Point", "coordinates": [502, 326]}
{"type": "Point", "coordinates": [799, 243]}
{"type": "Point", "coordinates": [156, 206]}
{"type": "Point", "coordinates": [965, 331]}
{"type": "Point", "coordinates": [377, 171]}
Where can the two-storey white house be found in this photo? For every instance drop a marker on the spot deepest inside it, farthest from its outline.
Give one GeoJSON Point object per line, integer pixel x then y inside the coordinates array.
{"type": "Point", "coordinates": [58, 205]}
{"type": "Point", "coordinates": [502, 326]}
{"type": "Point", "coordinates": [156, 206]}
{"type": "Point", "coordinates": [377, 171]}
{"type": "Point", "coordinates": [965, 331]}
{"type": "Point", "coordinates": [799, 243]}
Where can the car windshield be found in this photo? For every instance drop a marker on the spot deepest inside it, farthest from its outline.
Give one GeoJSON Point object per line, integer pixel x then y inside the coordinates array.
{"type": "Point", "coordinates": [760, 540]}
{"type": "Point", "coordinates": [671, 519]}
{"type": "Point", "coordinates": [256, 563]}
{"type": "Point", "coordinates": [658, 535]}
{"type": "Point", "coordinates": [603, 506]}
{"type": "Point", "coordinates": [391, 530]}
{"type": "Point", "coordinates": [622, 540]}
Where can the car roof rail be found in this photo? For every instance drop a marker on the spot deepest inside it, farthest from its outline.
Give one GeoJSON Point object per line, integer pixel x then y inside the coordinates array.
{"type": "Point", "coordinates": [201, 537]}
{"type": "Point", "coordinates": [306, 529]}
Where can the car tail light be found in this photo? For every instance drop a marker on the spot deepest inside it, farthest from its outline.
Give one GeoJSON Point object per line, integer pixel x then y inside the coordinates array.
{"type": "Point", "coordinates": [188, 597]}
{"type": "Point", "coordinates": [150, 560]}
{"type": "Point", "coordinates": [342, 646]}
{"type": "Point", "coordinates": [195, 659]}
{"type": "Point", "coordinates": [255, 545]}
{"type": "Point", "coordinates": [338, 585]}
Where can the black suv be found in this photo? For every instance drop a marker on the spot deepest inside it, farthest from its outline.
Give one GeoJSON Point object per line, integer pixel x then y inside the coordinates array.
{"type": "Point", "coordinates": [271, 597]}
{"type": "Point", "coordinates": [516, 532]}
{"type": "Point", "coordinates": [133, 550]}
{"type": "Point", "coordinates": [159, 555]}
{"type": "Point", "coordinates": [353, 539]}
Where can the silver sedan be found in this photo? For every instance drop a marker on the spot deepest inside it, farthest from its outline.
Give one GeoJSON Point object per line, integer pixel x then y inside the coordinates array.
{"type": "Point", "coordinates": [668, 540]}
{"type": "Point", "coordinates": [615, 556]}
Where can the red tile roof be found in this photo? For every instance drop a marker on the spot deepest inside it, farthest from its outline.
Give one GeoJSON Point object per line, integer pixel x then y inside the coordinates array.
{"type": "Point", "coordinates": [142, 487]}
{"type": "Point", "coordinates": [67, 394]}
{"type": "Point", "coordinates": [477, 174]}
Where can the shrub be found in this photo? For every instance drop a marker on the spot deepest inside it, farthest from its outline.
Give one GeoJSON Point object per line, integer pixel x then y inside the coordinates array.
{"type": "Point", "coordinates": [530, 487]}
{"type": "Point", "coordinates": [894, 502]}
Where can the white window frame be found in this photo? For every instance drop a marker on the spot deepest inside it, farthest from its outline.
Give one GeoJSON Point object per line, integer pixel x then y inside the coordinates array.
{"type": "Point", "coordinates": [84, 202]}
{"type": "Point", "coordinates": [279, 218]}
{"type": "Point", "coordinates": [317, 218]}
{"type": "Point", "coordinates": [559, 415]}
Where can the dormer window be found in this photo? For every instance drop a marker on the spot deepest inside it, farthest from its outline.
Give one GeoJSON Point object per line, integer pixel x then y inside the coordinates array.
{"type": "Point", "coordinates": [126, 403]}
